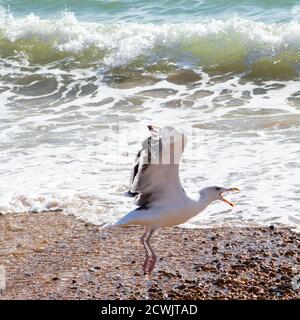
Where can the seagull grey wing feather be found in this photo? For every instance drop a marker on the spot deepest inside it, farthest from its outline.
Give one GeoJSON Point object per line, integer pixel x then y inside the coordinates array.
{"type": "Point", "coordinates": [155, 175]}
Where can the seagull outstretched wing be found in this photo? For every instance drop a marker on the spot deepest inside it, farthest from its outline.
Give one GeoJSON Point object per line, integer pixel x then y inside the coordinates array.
{"type": "Point", "coordinates": [155, 176]}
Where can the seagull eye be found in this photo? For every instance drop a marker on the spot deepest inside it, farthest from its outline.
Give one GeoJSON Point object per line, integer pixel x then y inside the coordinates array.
{"type": "Point", "coordinates": [218, 188]}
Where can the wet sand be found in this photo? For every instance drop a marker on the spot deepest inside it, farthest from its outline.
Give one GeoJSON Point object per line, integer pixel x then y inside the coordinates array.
{"type": "Point", "coordinates": [54, 256]}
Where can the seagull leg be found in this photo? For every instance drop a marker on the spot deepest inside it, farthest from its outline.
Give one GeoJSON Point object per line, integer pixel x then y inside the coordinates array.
{"type": "Point", "coordinates": [148, 252]}
{"type": "Point", "coordinates": [153, 258]}
{"type": "Point", "coordinates": [150, 259]}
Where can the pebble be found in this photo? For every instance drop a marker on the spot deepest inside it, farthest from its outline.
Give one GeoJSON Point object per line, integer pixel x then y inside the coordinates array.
{"type": "Point", "coordinates": [28, 274]}
{"type": "Point", "coordinates": [180, 287]}
{"type": "Point", "coordinates": [285, 278]}
{"type": "Point", "coordinates": [289, 253]}
{"type": "Point", "coordinates": [14, 228]}
{"type": "Point", "coordinates": [39, 249]}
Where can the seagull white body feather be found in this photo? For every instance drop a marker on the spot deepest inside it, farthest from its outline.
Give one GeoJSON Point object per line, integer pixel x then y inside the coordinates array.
{"type": "Point", "coordinates": [171, 214]}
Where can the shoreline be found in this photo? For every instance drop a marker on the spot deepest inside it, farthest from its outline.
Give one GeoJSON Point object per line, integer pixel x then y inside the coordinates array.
{"type": "Point", "coordinates": [54, 256]}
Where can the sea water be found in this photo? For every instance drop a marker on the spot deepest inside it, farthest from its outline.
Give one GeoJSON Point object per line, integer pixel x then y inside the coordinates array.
{"type": "Point", "coordinates": [80, 80]}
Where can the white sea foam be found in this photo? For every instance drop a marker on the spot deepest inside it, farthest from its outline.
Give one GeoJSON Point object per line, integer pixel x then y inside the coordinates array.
{"type": "Point", "coordinates": [122, 43]}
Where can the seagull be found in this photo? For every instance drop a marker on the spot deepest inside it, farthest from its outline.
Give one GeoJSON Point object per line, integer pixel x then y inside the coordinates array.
{"type": "Point", "coordinates": [156, 187]}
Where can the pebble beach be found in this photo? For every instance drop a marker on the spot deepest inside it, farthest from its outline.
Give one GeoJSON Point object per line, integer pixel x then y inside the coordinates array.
{"type": "Point", "coordinates": [55, 256]}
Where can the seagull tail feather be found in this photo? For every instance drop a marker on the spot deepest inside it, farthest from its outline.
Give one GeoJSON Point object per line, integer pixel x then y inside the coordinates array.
{"type": "Point", "coordinates": [108, 225]}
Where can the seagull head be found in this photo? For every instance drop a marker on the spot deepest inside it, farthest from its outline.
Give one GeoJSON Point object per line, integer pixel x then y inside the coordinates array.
{"type": "Point", "coordinates": [217, 193]}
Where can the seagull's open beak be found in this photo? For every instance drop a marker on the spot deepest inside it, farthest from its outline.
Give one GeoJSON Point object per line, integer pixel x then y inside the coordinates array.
{"type": "Point", "coordinates": [228, 190]}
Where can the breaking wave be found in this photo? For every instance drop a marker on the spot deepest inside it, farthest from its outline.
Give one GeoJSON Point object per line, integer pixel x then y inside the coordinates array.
{"type": "Point", "coordinates": [236, 45]}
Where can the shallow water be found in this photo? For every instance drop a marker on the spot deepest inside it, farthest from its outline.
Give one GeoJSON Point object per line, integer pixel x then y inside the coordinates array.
{"type": "Point", "coordinates": [79, 84]}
